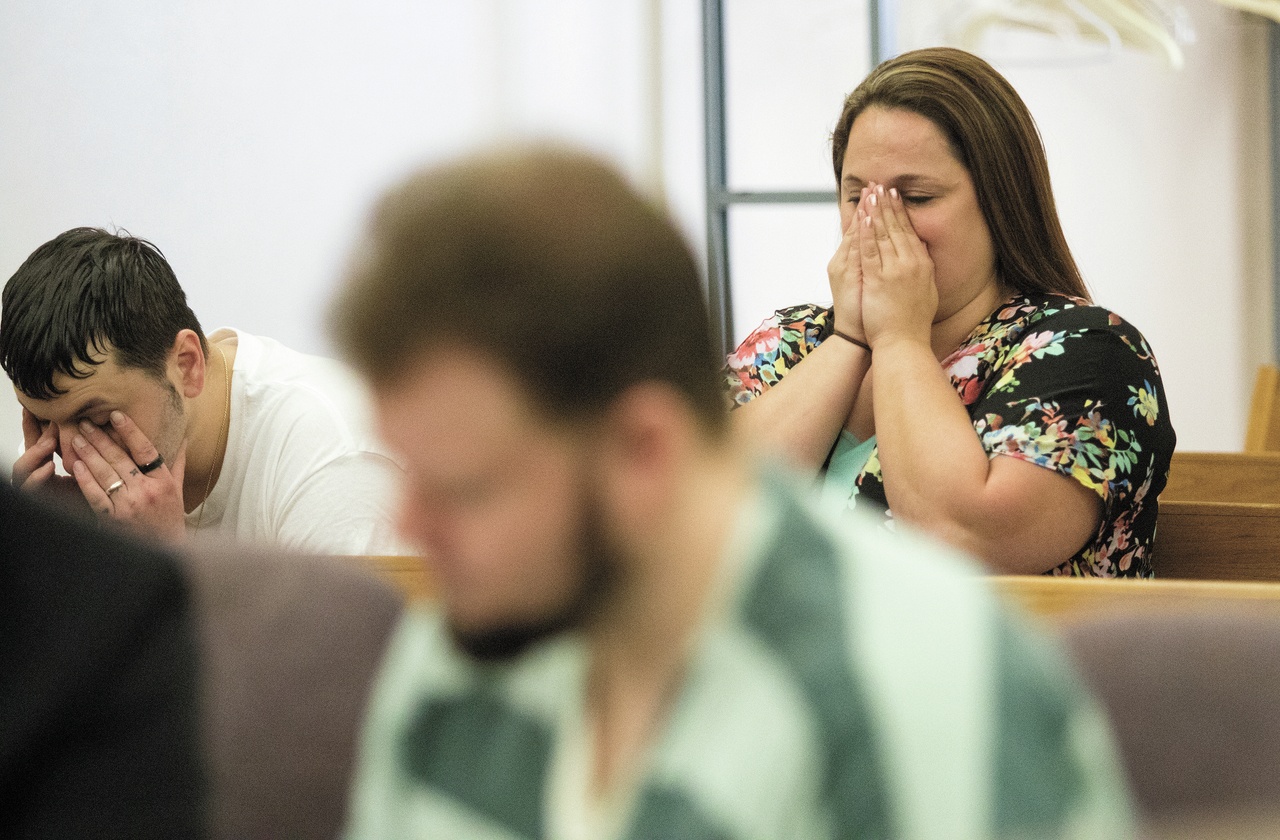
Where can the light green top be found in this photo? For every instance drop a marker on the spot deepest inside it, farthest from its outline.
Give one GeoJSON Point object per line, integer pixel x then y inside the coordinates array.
{"type": "Point", "coordinates": [840, 481]}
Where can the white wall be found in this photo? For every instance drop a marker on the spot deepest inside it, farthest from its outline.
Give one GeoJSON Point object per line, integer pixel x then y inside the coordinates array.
{"type": "Point", "coordinates": [1163, 183]}
{"type": "Point", "coordinates": [247, 139]}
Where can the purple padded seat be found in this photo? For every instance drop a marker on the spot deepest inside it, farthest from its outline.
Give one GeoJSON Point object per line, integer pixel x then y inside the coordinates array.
{"type": "Point", "coordinates": [1194, 700]}
{"type": "Point", "coordinates": [289, 646]}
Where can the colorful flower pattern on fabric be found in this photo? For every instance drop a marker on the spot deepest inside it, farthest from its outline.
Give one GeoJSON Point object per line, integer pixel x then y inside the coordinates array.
{"type": "Point", "coordinates": [1048, 379]}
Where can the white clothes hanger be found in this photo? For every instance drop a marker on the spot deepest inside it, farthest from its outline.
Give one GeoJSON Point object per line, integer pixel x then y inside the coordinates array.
{"type": "Point", "coordinates": [1080, 33]}
{"type": "Point", "coordinates": [1036, 17]}
{"type": "Point", "coordinates": [1086, 28]}
{"type": "Point", "coordinates": [1266, 8]}
{"type": "Point", "coordinates": [1140, 26]}
{"type": "Point", "coordinates": [1089, 24]}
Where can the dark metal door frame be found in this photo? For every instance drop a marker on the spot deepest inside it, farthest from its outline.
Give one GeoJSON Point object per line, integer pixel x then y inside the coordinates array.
{"type": "Point", "coordinates": [719, 197]}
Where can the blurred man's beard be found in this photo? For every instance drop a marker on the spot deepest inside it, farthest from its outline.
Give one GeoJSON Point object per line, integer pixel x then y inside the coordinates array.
{"type": "Point", "coordinates": [599, 568]}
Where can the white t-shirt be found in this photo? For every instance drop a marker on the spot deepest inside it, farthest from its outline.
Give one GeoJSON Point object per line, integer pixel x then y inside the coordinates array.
{"type": "Point", "coordinates": [303, 468]}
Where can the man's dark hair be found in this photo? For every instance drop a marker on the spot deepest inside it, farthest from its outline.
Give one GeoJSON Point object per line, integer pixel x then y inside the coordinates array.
{"type": "Point", "coordinates": [87, 292]}
{"type": "Point", "coordinates": [544, 260]}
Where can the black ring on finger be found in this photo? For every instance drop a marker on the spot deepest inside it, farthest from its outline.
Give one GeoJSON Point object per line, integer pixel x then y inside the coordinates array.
{"type": "Point", "coordinates": [151, 466]}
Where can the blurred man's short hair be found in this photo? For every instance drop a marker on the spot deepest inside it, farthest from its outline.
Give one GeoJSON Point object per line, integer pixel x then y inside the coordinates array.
{"type": "Point", "coordinates": [547, 261]}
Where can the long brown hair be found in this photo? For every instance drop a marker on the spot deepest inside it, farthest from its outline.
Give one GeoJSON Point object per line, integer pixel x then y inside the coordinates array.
{"type": "Point", "coordinates": [992, 134]}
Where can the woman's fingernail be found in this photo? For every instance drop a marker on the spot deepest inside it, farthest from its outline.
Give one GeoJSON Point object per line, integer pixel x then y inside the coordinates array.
{"type": "Point", "coordinates": [873, 199]}
{"type": "Point", "coordinates": [880, 188]}
{"type": "Point", "coordinates": [893, 191]}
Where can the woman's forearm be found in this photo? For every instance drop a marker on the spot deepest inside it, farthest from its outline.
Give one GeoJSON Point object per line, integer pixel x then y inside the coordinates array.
{"type": "Point", "coordinates": [800, 417]}
{"type": "Point", "coordinates": [1016, 516]}
{"type": "Point", "coordinates": [932, 461]}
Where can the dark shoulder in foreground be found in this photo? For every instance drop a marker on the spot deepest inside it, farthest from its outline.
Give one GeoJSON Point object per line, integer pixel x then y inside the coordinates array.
{"type": "Point", "coordinates": [97, 683]}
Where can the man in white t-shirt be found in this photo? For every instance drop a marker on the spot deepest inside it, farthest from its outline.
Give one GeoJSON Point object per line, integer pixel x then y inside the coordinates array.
{"type": "Point", "coordinates": [174, 433]}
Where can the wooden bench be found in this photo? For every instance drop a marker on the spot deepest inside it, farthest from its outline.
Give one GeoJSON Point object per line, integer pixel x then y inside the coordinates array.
{"type": "Point", "coordinates": [1217, 541]}
{"type": "Point", "coordinates": [1050, 597]}
{"type": "Point", "coordinates": [1263, 431]}
{"type": "Point", "coordinates": [1247, 477]}
{"type": "Point", "coordinates": [408, 574]}
{"type": "Point", "coordinates": [1060, 600]}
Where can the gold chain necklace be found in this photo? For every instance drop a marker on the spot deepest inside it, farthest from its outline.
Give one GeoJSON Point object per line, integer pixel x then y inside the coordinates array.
{"type": "Point", "coordinates": [222, 437]}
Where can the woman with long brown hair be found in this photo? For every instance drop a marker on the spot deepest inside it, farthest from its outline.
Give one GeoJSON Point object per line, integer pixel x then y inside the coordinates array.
{"type": "Point", "coordinates": [962, 381]}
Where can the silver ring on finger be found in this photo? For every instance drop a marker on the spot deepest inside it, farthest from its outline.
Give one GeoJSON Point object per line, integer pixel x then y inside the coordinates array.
{"type": "Point", "coordinates": [116, 485]}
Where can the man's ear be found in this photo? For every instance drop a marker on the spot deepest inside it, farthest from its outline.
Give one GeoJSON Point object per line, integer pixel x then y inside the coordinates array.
{"type": "Point", "coordinates": [187, 363]}
{"type": "Point", "coordinates": [644, 437]}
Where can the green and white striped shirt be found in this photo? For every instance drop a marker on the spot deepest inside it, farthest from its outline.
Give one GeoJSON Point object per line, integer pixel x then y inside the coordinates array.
{"type": "Point", "coordinates": [846, 682]}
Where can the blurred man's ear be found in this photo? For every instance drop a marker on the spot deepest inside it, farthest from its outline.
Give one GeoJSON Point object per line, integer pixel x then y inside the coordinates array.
{"type": "Point", "coordinates": [645, 437]}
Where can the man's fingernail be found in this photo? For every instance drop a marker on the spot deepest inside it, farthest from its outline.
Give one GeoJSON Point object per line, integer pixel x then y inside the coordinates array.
{"type": "Point", "coordinates": [117, 417]}
{"type": "Point", "coordinates": [79, 442]}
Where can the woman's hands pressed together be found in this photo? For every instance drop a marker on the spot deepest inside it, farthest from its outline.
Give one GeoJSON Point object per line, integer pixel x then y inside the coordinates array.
{"type": "Point", "coordinates": [844, 274]}
{"type": "Point", "coordinates": [898, 296]}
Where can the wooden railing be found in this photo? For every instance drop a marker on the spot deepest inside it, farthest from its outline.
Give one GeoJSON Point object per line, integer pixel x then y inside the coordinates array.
{"type": "Point", "coordinates": [1066, 599]}
{"type": "Point", "coordinates": [1055, 599]}
{"type": "Point", "coordinates": [408, 574]}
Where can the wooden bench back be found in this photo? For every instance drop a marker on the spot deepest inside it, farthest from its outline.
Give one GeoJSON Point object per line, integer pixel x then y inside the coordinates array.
{"type": "Point", "coordinates": [1217, 541]}
{"type": "Point", "coordinates": [1263, 431]}
{"type": "Point", "coordinates": [1060, 600]}
{"type": "Point", "coordinates": [1049, 597]}
{"type": "Point", "coordinates": [408, 574]}
{"type": "Point", "coordinates": [1248, 477]}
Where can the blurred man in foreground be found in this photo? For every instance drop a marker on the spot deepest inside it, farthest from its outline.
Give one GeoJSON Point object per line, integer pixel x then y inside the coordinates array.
{"type": "Point", "coordinates": [640, 633]}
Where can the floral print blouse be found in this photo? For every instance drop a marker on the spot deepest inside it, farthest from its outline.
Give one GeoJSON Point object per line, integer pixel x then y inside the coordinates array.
{"type": "Point", "coordinates": [1046, 378]}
